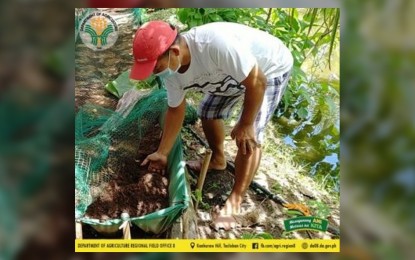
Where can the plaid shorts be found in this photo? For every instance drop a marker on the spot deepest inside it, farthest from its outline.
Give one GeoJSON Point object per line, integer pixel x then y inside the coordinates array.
{"type": "Point", "coordinates": [220, 107]}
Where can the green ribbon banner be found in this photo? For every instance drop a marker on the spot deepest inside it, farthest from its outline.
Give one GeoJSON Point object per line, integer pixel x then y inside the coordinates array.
{"type": "Point", "coordinates": [302, 223]}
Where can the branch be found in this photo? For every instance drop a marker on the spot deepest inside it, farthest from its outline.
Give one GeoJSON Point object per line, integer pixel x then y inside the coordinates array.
{"type": "Point", "coordinates": [269, 15]}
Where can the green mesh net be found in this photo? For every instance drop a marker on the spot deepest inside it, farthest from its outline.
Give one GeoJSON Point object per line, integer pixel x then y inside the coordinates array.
{"type": "Point", "coordinates": [106, 137]}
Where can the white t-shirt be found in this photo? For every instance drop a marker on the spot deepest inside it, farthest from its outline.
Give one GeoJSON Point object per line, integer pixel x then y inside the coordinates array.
{"type": "Point", "coordinates": [222, 55]}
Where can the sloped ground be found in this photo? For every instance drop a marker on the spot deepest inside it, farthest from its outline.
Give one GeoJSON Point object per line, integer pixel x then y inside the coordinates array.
{"type": "Point", "coordinates": [277, 174]}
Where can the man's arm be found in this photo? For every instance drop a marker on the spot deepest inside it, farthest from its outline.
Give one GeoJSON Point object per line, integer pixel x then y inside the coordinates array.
{"type": "Point", "coordinates": [172, 123]}
{"type": "Point", "coordinates": [243, 132]}
{"type": "Point", "coordinates": [255, 85]}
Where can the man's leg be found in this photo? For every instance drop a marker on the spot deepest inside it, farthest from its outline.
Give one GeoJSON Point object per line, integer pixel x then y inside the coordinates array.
{"type": "Point", "coordinates": [211, 111]}
{"type": "Point", "coordinates": [214, 130]}
{"type": "Point", "coordinates": [245, 168]}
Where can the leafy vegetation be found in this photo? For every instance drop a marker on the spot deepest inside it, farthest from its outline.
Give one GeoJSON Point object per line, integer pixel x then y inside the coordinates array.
{"type": "Point", "coordinates": [262, 235]}
{"type": "Point", "coordinates": [198, 199]}
{"type": "Point", "coordinates": [320, 209]}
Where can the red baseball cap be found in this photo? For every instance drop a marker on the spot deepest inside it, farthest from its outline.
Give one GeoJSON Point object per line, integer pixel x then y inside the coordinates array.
{"type": "Point", "coordinates": [150, 41]}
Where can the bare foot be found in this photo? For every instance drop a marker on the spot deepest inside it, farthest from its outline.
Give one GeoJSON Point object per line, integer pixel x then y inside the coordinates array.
{"type": "Point", "coordinates": [196, 166]}
{"type": "Point", "coordinates": [223, 220]}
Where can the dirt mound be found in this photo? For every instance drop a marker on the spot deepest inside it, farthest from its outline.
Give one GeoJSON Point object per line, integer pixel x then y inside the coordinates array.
{"type": "Point", "coordinates": [124, 185]}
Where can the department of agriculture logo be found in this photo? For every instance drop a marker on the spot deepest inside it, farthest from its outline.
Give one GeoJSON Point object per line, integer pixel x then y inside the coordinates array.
{"type": "Point", "coordinates": [98, 31]}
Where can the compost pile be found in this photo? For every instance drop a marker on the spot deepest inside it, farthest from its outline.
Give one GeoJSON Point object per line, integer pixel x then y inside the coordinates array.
{"type": "Point", "coordinates": [131, 188]}
{"type": "Point", "coordinates": [110, 146]}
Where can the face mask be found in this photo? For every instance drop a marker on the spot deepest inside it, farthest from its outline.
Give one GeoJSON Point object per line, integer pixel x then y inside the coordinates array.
{"type": "Point", "coordinates": [168, 72]}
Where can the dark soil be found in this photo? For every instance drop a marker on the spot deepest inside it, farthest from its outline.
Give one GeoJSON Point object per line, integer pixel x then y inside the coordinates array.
{"type": "Point", "coordinates": [216, 188]}
{"type": "Point", "coordinates": [124, 185]}
{"type": "Point", "coordinates": [218, 184]}
{"type": "Point", "coordinates": [259, 214]}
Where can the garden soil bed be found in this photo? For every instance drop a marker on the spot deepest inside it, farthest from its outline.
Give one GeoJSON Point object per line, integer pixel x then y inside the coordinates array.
{"type": "Point", "coordinates": [125, 186]}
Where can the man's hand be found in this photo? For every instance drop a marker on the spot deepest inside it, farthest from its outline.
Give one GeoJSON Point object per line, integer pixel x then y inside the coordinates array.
{"type": "Point", "coordinates": [244, 136]}
{"type": "Point", "coordinates": [157, 162]}
{"type": "Point", "coordinates": [172, 123]}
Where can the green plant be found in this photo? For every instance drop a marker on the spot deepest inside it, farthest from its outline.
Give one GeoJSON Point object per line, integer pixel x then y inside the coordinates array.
{"type": "Point", "coordinates": [294, 213]}
{"type": "Point", "coordinates": [320, 209]}
{"type": "Point", "coordinates": [316, 131]}
{"type": "Point", "coordinates": [286, 235]}
{"type": "Point", "coordinates": [213, 186]}
{"type": "Point", "coordinates": [277, 188]}
{"type": "Point", "coordinates": [198, 198]}
{"type": "Point", "coordinates": [123, 83]}
{"type": "Point", "coordinates": [262, 235]}
{"type": "Point", "coordinates": [197, 16]}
